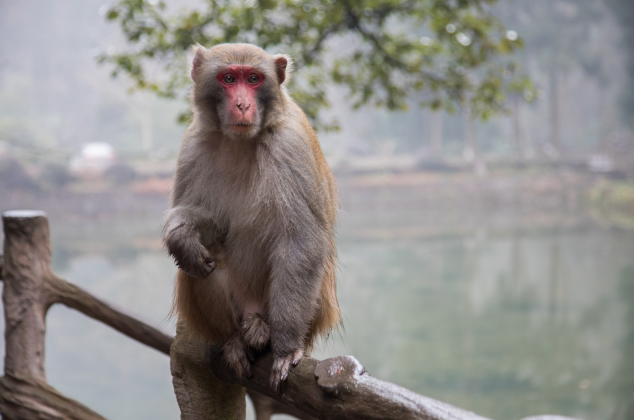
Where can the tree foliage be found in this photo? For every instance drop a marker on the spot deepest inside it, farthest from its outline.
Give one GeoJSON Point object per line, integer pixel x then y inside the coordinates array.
{"type": "Point", "coordinates": [387, 53]}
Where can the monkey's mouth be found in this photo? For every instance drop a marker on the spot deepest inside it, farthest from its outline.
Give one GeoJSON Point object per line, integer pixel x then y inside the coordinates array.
{"type": "Point", "coordinates": [242, 127]}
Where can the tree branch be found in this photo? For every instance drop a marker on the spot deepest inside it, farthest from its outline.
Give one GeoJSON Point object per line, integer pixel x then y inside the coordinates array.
{"type": "Point", "coordinates": [337, 388]}
{"type": "Point", "coordinates": [75, 297]}
{"type": "Point", "coordinates": [22, 399]}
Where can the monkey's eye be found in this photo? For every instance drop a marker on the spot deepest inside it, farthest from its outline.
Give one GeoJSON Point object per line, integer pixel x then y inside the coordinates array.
{"type": "Point", "coordinates": [253, 80]}
{"type": "Point", "coordinates": [228, 79]}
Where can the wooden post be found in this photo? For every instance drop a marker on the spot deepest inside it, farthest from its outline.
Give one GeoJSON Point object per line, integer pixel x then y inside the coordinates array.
{"type": "Point", "coordinates": [200, 394]}
{"type": "Point", "coordinates": [24, 393]}
{"type": "Point", "coordinates": [27, 259]}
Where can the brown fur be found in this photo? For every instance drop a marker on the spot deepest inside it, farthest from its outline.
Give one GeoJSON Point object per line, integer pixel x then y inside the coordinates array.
{"type": "Point", "coordinates": [252, 219]}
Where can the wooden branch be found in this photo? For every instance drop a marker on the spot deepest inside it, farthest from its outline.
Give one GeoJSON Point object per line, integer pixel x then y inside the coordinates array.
{"type": "Point", "coordinates": [337, 388]}
{"type": "Point", "coordinates": [25, 400]}
{"type": "Point", "coordinates": [265, 407]}
{"type": "Point", "coordinates": [75, 297]}
{"type": "Point", "coordinates": [340, 388]}
{"type": "Point", "coordinates": [52, 290]}
{"type": "Point", "coordinates": [202, 395]}
{"type": "Point", "coordinates": [199, 393]}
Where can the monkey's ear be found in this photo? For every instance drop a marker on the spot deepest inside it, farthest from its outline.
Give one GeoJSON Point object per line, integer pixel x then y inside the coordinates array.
{"type": "Point", "coordinates": [199, 57]}
{"type": "Point", "coordinates": [283, 68]}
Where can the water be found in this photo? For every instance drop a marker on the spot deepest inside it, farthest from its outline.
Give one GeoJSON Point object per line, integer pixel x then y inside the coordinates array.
{"type": "Point", "coordinates": [506, 326]}
{"type": "Point", "coordinates": [499, 312]}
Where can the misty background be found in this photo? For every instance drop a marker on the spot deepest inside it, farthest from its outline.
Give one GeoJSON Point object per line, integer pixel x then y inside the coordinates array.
{"type": "Point", "coordinates": [504, 287]}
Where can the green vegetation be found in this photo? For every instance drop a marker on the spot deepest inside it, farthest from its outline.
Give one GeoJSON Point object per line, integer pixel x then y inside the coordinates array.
{"type": "Point", "coordinates": [613, 202]}
{"type": "Point", "coordinates": [440, 54]}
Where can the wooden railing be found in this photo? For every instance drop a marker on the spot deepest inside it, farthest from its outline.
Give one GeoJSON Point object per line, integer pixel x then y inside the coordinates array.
{"type": "Point", "coordinates": [205, 388]}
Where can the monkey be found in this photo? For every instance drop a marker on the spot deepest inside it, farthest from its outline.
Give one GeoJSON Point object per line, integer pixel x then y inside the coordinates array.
{"type": "Point", "coordinates": [254, 205]}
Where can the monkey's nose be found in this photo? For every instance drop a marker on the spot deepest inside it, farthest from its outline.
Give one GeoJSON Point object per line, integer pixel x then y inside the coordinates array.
{"type": "Point", "coordinates": [243, 107]}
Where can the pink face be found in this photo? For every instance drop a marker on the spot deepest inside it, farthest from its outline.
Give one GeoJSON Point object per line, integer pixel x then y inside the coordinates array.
{"type": "Point", "coordinates": [241, 84]}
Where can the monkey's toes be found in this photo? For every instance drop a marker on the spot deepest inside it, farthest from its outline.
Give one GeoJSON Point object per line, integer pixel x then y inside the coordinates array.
{"type": "Point", "coordinates": [256, 332]}
{"type": "Point", "coordinates": [297, 356]}
{"type": "Point", "coordinates": [280, 368]}
{"type": "Point", "coordinates": [236, 357]}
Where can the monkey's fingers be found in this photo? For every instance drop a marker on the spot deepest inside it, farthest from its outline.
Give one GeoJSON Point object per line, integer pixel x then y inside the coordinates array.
{"type": "Point", "coordinates": [192, 257]}
{"type": "Point", "coordinates": [208, 260]}
{"type": "Point", "coordinates": [211, 266]}
{"type": "Point", "coordinates": [204, 265]}
{"type": "Point", "coordinates": [200, 270]}
{"type": "Point", "coordinates": [208, 265]}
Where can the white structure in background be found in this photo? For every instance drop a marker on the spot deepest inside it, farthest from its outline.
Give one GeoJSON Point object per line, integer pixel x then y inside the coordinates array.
{"type": "Point", "coordinates": [94, 159]}
{"type": "Point", "coordinates": [601, 163]}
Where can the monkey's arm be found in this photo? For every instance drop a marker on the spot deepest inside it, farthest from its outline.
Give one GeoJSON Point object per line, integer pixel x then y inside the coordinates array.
{"type": "Point", "coordinates": [182, 237]}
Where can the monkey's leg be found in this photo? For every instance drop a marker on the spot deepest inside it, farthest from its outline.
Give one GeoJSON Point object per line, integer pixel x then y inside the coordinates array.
{"type": "Point", "coordinates": [297, 269]}
{"type": "Point", "coordinates": [236, 356]}
{"type": "Point", "coordinates": [256, 333]}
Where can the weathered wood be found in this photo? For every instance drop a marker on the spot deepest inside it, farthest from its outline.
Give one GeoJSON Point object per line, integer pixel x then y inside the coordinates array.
{"type": "Point", "coordinates": [25, 400]}
{"type": "Point", "coordinates": [265, 407]}
{"type": "Point", "coordinates": [75, 297]}
{"type": "Point", "coordinates": [337, 388]}
{"type": "Point", "coordinates": [24, 393]}
{"type": "Point", "coordinates": [200, 394]}
{"type": "Point", "coordinates": [27, 256]}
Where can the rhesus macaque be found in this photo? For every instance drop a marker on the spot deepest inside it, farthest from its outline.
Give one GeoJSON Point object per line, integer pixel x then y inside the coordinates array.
{"type": "Point", "coordinates": [251, 225]}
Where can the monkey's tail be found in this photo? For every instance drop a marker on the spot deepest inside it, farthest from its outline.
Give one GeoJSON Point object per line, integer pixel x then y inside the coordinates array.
{"type": "Point", "coordinates": [328, 318]}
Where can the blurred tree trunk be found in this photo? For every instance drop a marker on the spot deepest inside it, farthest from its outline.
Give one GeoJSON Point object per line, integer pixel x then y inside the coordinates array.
{"type": "Point", "coordinates": [436, 133]}
{"type": "Point", "coordinates": [471, 151]}
{"type": "Point", "coordinates": [555, 115]}
{"type": "Point", "coordinates": [518, 137]}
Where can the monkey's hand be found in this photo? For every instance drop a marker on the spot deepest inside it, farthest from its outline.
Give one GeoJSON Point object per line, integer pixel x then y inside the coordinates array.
{"type": "Point", "coordinates": [190, 255]}
{"type": "Point", "coordinates": [281, 366]}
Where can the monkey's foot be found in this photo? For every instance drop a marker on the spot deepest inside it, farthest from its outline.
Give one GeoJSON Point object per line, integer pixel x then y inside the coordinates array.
{"type": "Point", "coordinates": [256, 333]}
{"type": "Point", "coordinates": [236, 357]}
{"type": "Point", "coordinates": [281, 366]}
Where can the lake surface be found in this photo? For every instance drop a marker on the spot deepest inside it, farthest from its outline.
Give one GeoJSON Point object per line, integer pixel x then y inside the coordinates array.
{"type": "Point", "coordinates": [502, 312]}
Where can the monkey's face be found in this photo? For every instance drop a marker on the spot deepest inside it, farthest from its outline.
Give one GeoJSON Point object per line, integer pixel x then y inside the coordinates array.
{"type": "Point", "coordinates": [240, 116]}
{"type": "Point", "coordinates": [237, 88]}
